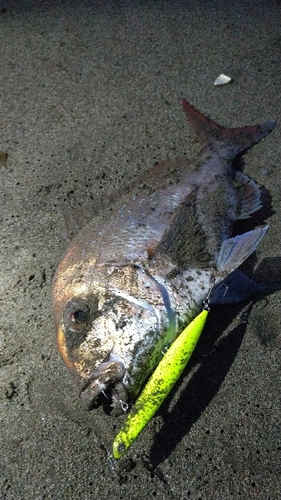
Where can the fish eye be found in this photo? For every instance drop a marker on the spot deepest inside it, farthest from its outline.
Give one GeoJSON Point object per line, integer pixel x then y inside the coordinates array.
{"type": "Point", "coordinates": [76, 317]}
{"type": "Point", "coordinates": [76, 314]}
{"type": "Point", "coordinates": [80, 317]}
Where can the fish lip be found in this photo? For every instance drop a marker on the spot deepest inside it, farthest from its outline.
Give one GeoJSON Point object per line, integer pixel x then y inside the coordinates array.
{"type": "Point", "coordinates": [89, 395]}
{"type": "Point", "coordinates": [107, 375]}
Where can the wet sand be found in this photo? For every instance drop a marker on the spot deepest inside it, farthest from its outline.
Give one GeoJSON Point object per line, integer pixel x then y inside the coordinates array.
{"type": "Point", "coordinates": [89, 98]}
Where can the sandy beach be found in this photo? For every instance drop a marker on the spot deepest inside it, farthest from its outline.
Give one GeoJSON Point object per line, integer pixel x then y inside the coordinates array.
{"type": "Point", "coordinates": [90, 97]}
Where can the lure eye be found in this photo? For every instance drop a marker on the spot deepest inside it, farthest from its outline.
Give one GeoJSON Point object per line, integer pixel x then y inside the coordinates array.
{"type": "Point", "coordinates": [77, 315]}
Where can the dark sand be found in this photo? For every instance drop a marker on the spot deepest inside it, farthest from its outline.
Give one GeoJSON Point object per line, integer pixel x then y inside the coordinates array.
{"type": "Point", "coordinates": [90, 97]}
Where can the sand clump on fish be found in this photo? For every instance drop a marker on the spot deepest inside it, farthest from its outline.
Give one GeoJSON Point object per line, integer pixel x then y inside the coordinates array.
{"type": "Point", "coordinates": [129, 283]}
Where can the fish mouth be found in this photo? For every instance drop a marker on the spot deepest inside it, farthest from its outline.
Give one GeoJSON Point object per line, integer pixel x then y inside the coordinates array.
{"type": "Point", "coordinates": [106, 387]}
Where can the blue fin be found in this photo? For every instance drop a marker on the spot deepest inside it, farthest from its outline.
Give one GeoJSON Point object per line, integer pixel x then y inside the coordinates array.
{"type": "Point", "coordinates": [236, 287]}
{"type": "Point", "coordinates": [237, 249]}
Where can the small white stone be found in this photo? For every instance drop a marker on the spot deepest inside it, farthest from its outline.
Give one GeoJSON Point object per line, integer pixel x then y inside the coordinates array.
{"type": "Point", "coordinates": [222, 80]}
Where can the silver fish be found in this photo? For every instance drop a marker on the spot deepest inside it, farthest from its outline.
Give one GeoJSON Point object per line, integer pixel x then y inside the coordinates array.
{"type": "Point", "coordinates": [129, 283]}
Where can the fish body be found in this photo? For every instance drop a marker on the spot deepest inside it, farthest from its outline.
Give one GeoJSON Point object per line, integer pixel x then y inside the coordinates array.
{"type": "Point", "coordinates": [131, 281]}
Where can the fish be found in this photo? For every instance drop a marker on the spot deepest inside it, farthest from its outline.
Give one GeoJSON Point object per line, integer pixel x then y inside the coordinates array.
{"type": "Point", "coordinates": [137, 274]}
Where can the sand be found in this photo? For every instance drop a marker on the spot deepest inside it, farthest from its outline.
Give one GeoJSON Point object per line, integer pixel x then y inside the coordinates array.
{"type": "Point", "coordinates": [90, 98]}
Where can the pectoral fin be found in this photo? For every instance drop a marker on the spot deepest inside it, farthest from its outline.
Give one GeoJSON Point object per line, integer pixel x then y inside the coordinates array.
{"type": "Point", "coordinates": [236, 250]}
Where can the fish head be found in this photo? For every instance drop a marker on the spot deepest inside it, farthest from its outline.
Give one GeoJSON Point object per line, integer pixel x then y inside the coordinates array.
{"type": "Point", "coordinates": [107, 325]}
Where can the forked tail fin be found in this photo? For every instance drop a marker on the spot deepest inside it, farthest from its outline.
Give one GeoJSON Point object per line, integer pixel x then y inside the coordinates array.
{"type": "Point", "coordinates": [227, 141]}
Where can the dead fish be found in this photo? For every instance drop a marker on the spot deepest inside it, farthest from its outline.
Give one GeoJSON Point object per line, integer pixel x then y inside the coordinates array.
{"type": "Point", "coordinates": [132, 280]}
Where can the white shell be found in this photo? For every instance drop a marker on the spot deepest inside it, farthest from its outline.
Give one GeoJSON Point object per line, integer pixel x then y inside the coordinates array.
{"type": "Point", "coordinates": [222, 80]}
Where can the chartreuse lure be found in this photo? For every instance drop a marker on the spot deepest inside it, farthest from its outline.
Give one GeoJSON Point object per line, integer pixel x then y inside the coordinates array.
{"type": "Point", "coordinates": [160, 384]}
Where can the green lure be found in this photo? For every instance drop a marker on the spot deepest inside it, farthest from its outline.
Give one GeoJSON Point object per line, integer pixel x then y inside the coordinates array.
{"type": "Point", "coordinates": [160, 384]}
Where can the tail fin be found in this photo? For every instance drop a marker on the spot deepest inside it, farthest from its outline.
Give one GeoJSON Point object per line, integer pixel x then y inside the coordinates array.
{"type": "Point", "coordinates": [229, 141]}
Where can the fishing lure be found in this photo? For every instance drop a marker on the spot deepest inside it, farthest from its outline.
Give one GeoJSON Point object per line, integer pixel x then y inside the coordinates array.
{"type": "Point", "coordinates": [160, 384]}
